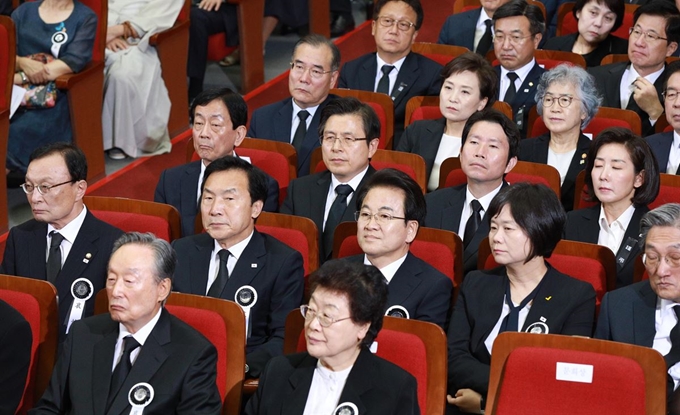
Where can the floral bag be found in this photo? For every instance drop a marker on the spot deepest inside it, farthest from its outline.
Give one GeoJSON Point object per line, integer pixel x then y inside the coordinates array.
{"type": "Point", "coordinates": [40, 96]}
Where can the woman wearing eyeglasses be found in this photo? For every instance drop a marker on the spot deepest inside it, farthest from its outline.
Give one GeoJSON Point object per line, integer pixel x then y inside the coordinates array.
{"type": "Point", "coordinates": [623, 178]}
{"type": "Point", "coordinates": [338, 374]}
{"type": "Point", "coordinates": [524, 294]}
{"type": "Point", "coordinates": [597, 19]}
{"type": "Point", "coordinates": [566, 99]}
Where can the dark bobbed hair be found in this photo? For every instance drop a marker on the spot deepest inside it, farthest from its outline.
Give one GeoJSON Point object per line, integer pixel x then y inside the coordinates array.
{"type": "Point", "coordinates": [670, 70]}
{"type": "Point", "coordinates": [521, 8]}
{"type": "Point", "coordinates": [616, 6]}
{"type": "Point", "coordinates": [236, 105]}
{"type": "Point", "coordinates": [486, 75]}
{"type": "Point", "coordinates": [257, 179]}
{"type": "Point", "coordinates": [494, 116]}
{"type": "Point", "coordinates": [641, 155]}
{"type": "Point", "coordinates": [537, 210]}
{"type": "Point", "coordinates": [352, 106]}
{"type": "Point", "coordinates": [363, 285]}
{"type": "Point", "coordinates": [75, 160]}
{"type": "Point", "coordinates": [165, 258]}
{"type": "Point", "coordinates": [414, 201]}
{"type": "Point", "coordinates": [316, 40]}
{"type": "Point", "coordinates": [665, 9]}
{"type": "Point", "coordinates": [414, 4]}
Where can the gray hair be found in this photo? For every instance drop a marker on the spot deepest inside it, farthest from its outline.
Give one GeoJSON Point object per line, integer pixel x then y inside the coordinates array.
{"type": "Point", "coordinates": [315, 40]}
{"type": "Point", "coordinates": [165, 257]}
{"type": "Point", "coordinates": [583, 82]}
{"type": "Point", "coordinates": [664, 215]}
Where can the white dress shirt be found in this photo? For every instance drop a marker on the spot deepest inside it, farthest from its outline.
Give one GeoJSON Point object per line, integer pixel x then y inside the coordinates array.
{"type": "Point", "coordinates": [389, 270]}
{"type": "Point", "coordinates": [296, 119]}
{"type": "Point", "coordinates": [141, 336]}
{"type": "Point", "coordinates": [69, 232]}
{"type": "Point", "coordinates": [611, 235]}
{"type": "Point", "coordinates": [392, 75]}
{"type": "Point", "coordinates": [521, 318]}
{"type": "Point", "coordinates": [522, 74]}
{"type": "Point", "coordinates": [629, 76]}
{"type": "Point", "coordinates": [449, 146]}
{"type": "Point", "coordinates": [485, 201]}
{"type": "Point", "coordinates": [325, 391]}
{"type": "Point", "coordinates": [480, 29]}
{"type": "Point", "coordinates": [561, 162]}
{"type": "Point", "coordinates": [674, 155]}
{"type": "Point", "coordinates": [664, 321]}
{"type": "Point", "coordinates": [235, 253]}
{"type": "Point", "coordinates": [330, 198]}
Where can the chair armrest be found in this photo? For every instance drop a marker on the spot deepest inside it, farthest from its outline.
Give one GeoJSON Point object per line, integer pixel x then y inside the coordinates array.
{"type": "Point", "coordinates": [68, 81]}
{"type": "Point", "coordinates": [250, 386]}
{"type": "Point", "coordinates": [165, 34]}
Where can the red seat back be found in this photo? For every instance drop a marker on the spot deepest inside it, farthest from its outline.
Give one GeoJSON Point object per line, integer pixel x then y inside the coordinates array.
{"type": "Point", "coordinates": [380, 112]}
{"type": "Point", "coordinates": [294, 238]}
{"type": "Point", "coordinates": [426, 113]}
{"type": "Point", "coordinates": [5, 74]}
{"type": "Point", "coordinates": [135, 222]}
{"type": "Point", "coordinates": [274, 164]}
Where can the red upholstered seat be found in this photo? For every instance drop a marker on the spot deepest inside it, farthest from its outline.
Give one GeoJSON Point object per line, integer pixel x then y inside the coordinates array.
{"type": "Point", "coordinates": [217, 47]}
{"type": "Point", "coordinates": [426, 113]}
{"type": "Point", "coordinates": [297, 232]}
{"type": "Point", "coordinates": [272, 163]}
{"type": "Point", "coordinates": [382, 105]}
{"type": "Point", "coordinates": [135, 222]}
{"type": "Point", "coordinates": [382, 117]}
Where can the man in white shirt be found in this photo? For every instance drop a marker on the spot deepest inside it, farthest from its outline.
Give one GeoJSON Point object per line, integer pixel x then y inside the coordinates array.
{"type": "Point", "coordinates": [666, 145]}
{"type": "Point", "coordinates": [637, 84]}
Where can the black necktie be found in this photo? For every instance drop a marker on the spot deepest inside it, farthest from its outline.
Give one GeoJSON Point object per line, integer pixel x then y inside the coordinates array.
{"type": "Point", "coordinates": [512, 89]}
{"type": "Point", "coordinates": [222, 275]}
{"type": "Point", "coordinates": [54, 257]}
{"type": "Point", "coordinates": [335, 216]}
{"type": "Point", "coordinates": [301, 131]}
{"type": "Point", "coordinates": [122, 368]}
{"type": "Point", "coordinates": [473, 222]}
{"type": "Point", "coordinates": [511, 321]}
{"type": "Point", "coordinates": [485, 42]}
{"type": "Point", "coordinates": [384, 83]}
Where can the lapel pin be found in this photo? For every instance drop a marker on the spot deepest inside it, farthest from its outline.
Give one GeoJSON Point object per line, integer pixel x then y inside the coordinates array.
{"type": "Point", "coordinates": [548, 298]}
{"type": "Point", "coordinates": [253, 265]}
{"type": "Point", "coordinates": [584, 155]}
{"type": "Point", "coordinates": [88, 255]}
{"type": "Point", "coordinates": [85, 260]}
{"type": "Point", "coordinates": [526, 90]}
{"type": "Point", "coordinates": [543, 319]}
{"type": "Point", "coordinates": [531, 84]}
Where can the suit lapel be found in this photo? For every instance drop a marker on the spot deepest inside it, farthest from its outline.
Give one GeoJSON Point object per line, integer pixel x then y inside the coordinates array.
{"type": "Point", "coordinates": [644, 328]}
{"type": "Point", "coordinates": [318, 199]}
{"type": "Point", "coordinates": [200, 264]}
{"type": "Point", "coordinates": [38, 255]}
{"type": "Point", "coordinates": [542, 309]}
{"type": "Point", "coordinates": [300, 382]}
{"type": "Point", "coordinates": [405, 78]}
{"type": "Point", "coordinates": [527, 91]}
{"type": "Point", "coordinates": [589, 229]}
{"type": "Point", "coordinates": [250, 263]}
{"type": "Point", "coordinates": [451, 214]}
{"type": "Point", "coordinates": [283, 122]}
{"type": "Point", "coordinates": [613, 84]}
{"type": "Point", "coordinates": [429, 147]}
{"type": "Point", "coordinates": [632, 231]}
{"type": "Point", "coordinates": [348, 216]}
{"type": "Point", "coordinates": [359, 380]}
{"type": "Point", "coordinates": [578, 161]}
{"type": "Point", "coordinates": [369, 71]}
{"type": "Point", "coordinates": [189, 187]}
{"type": "Point", "coordinates": [405, 281]}
{"type": "Point", "coordinates": [494, 292]}
{"type": "Point", "coordinates": [102, 360]}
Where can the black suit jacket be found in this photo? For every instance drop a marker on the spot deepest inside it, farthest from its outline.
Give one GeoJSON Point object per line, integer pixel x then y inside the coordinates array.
{"type": "Point", "coordinates": [15, 356]}
{"type": "Point", "coordinates": [374, 385]}
{"type": "Point", "coordinates": [423, 137]}
{"type": "Point", "coordinates": [608, 81]}
{"type": "Point", "coordinates": [25, 256]}
{"type": "Point", "coordinates": [274, 122]}
{"type": "Point", "coordinates": [610, 45]}
{"type": "Point", "coordinates": [418, 287]}
{"type": "Point", "coordinates": [564, 304]}
{"type": "Point", "coordinates": [582, 226]}
{"type": "Point", "coordinates": [627, 315]}
{"type": "Point", "coordinates": [271, 267]}
{"type": "Point", "coordinates": [459, 29]}
{"type": "Point", "coordinates": [307, 197]}
{"type": "Point", "coordinates": [418, 76]}
{"type": "Point", "coordinates": [525, 98]}
{"type": "Point", "coordinates": [661, 147]}
{"type": "Point", "coordinates": [178, 186]}
{"type": "Point", "coordinates": [536, 149]}
{"type": "Point", "coordinates": [177, 361]}
{"type": "Point", "coordinates": [444, 207]}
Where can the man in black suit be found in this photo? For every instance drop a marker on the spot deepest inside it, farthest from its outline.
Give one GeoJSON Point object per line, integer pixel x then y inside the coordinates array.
{"type": "Point", "coordinates": [637, 85]}
{"type": "Point", "coordinates": [314, 71]}
{"type": "Point", "coordinates": [64, 243]}
{"type": "Point", "coordinates": [350, 132]}
{"type": "Point", "coordinates": [468, 28]}
{"type": "Point", "coordinates": [646, 313]}
{"type": "Point", "coordinates": [666, 145]}
{"type": "Point", "coordinates": [235, 262]}
{"type": "Point", "coordinates": [15, 357]}
{"type": "Point", "coordinates": [489, 151]}
{"type": "Point", "coordinates": [394, 70]}
{"type": "Point", "coordinates": [218, 119]}
{"type": "Point", "coordinates": [138, 352]}
{"type": "Point", "coordinates": [390, 210]}
{"type": "Point", "coordinates": [518, 29]}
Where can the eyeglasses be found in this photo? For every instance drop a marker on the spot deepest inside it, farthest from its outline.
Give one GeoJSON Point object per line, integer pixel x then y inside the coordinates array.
{"type": "Point", "coordinates": [42, 189]}
{"type": "Point", "coordinates": [514, 39]}
{"type": "Point", "coordinates": [329, 140]}
{"type": "Point", "coordinates": [324, 320]}
{"type": "Point", "coordinates": [298, 69]}
{"type": "Point", "coordinates": [649, 36]}
{"type": "Point", "coordinates": [653, 260]}
{"type": "Point", "coordinates": [670, 95]}
{"type": "Point", "coordinates": [403, 25]}
{"type": "Point", "coordinates": [564, 101]}
{"type": "Point", "coordinates": [380, 217]}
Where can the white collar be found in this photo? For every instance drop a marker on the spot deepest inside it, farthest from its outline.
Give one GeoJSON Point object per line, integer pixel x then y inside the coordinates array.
{"type": "Point", "coordinates": [237, 249]}
{"type": "Point", "coordinates": [143, 333]}
{"type": "Point", "coordinates": [389, 270]}
{"type": "Point", "coordinates": [354, 182]}
{"type": "Point", "coordinates": [397, 64]}
{"type": "Point", "coordinates": [623, 219]}
{"type": "Point", "coordinates": [70, 231]}
{"type": "Point", "coordinates": [522, 72]}
{"type": "Point", "coordinates": [485, 200]}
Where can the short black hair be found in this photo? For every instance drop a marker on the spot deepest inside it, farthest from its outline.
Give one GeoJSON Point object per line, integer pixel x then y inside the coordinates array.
{"type": "Point", "coordinates": [352, 106]}
{"type": "Point", "coordinates": [414, 201]}
{"type": "Point", "coordinates": [486, 75]}
{"type": "Point", "coordinates": [537, 210]}
{"type": "Point", "coordinates": [492, 115]}
{"type": "Point", "coordinates": [618, 7]}
{"type": "Point", "coordinates": [316, 40]}
{"type": "Point", "coordinates": [640, 154]}
{"type": "Point", "coordinates": [363, 285]}
{"type": "Point", "coordinates": [75, 160]}
{"type": "Point", "coordinates": [414, 4]}
{"type": "Point", "coordinates": [257, 179]}
{"type": "Point", "coordinates": [236, 105]}
{"type": "Point", "coordinates": [666, 9]}
{"type": "Point", "coordinates": [521, 8]}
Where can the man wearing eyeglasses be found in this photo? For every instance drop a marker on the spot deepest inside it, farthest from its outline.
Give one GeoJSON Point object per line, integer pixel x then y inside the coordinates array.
{"type": "Point", "coordinates": [394, 70]}
{"type": "Point", "coordinates": [63, 243]}
{"type": "Point", "coordinates": [390, 210]}
{"type": "Point", "coordinates": [295, 120]}
{"type": "Point", "coordinates": [647, 313]}
{"type": "Point", "coordinates": [666, 145]}
{"type": "Point", "coordinates": [349, 131]}
{"type": "Point", "coordinates": [637, 85]}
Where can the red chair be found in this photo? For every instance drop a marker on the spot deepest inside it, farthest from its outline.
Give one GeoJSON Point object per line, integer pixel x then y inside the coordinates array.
{"type": "Point", "coordinates": [669, 191]}
{"type": "Point", "coordinates": [427, 108]}
{"type": "Point", "coordinates": [441, 54]}
{"type": "Point", "coordinates": [382, 105]}
{"type": "Point", "coordinates": [606, 117]}
{"type": "Point", "coordinates": [8, 55]}
{"type": "Point", "coordinates": [36, 300]}
{"type": "Point", "coordinates": [132, 215]}
{"type": "Point", "coordinates": [297, 232]}
{"type": "Point", "coordinates": [567, 23]}
{"type": "Point", "coordinates": [415, 346]}
{"type": "Point", "coordinates": [547, 373]}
